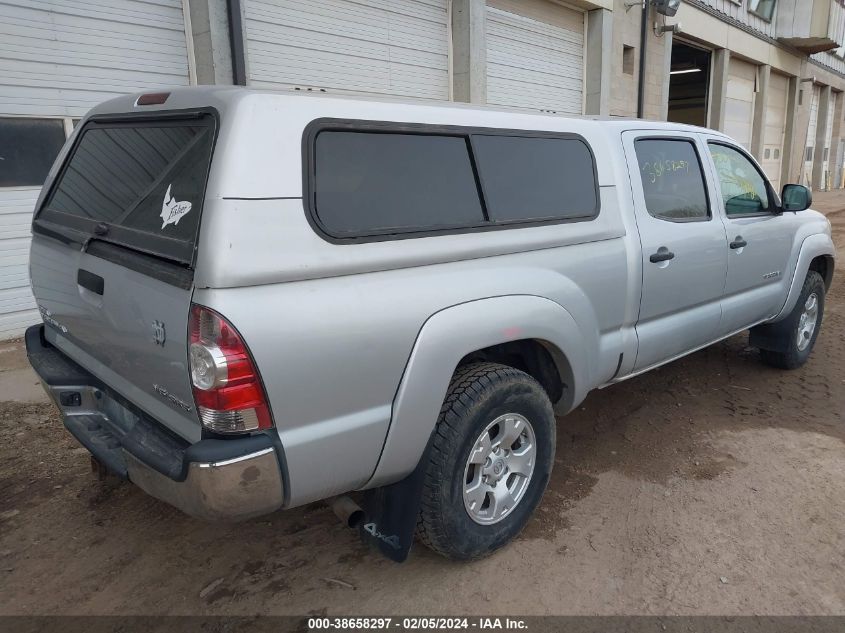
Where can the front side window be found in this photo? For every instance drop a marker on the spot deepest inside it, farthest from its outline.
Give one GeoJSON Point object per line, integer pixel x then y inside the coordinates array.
{"type": "Point", "coordinates": [764, 8]}
{"type": "Point", "coordinates": [673, 183]}
{"type": "Point", "coordinates": [28, 148]}
{"type": "Point", "coordinates": [744, 189]}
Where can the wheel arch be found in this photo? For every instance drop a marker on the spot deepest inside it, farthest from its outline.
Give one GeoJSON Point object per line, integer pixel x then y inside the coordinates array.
{"type": "Point", "coordinates": [542, 360]}
{"type": "Point", "coordinates": [824, 265]}
{"type": "Point", "coordinates": [816, 250]}
{"type": "Point", "coordinates": [532, 328]}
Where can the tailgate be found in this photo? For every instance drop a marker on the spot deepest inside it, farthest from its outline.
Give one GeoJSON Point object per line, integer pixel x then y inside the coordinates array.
{"type": "Point", "coordinates": [112, 254]}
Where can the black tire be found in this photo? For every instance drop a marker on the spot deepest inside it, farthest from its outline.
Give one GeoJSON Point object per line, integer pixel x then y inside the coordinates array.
{"type": "Point", "coordinates": [478, 394]}
{"type": "Point", "coordinates": [783, 335]}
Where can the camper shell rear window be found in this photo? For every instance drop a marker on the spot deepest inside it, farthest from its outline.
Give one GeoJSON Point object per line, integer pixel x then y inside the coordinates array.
{"type": "Point", "coordinates": [368, 181]}
{"type": "Point", "coordinates": [138, 183]}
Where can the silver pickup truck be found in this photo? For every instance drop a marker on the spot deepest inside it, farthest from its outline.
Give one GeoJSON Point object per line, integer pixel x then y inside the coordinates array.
{"type": "Point", "coordinates": [252, 301]}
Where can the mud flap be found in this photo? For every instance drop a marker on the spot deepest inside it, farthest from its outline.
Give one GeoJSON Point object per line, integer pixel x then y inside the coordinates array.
{"type": "Point", "coordinates": [390, 515]}
{"type": "Point", "coordinates": [771, 336]}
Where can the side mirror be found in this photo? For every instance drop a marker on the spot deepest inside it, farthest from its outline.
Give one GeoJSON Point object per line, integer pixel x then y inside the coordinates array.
{"type": "Point", "coordinates": [796, 198]}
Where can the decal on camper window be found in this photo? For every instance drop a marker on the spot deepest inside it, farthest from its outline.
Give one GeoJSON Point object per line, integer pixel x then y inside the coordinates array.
{"type": "Point", "coordinates": [171, 210]}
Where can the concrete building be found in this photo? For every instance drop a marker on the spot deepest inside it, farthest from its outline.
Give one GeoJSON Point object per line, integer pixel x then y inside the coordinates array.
{"type": "Point", "coordinates": [771, 73]}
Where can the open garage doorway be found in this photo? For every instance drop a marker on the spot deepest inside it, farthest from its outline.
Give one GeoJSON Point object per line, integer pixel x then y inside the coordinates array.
{"type": "Point", "coordinates": [689, 83]}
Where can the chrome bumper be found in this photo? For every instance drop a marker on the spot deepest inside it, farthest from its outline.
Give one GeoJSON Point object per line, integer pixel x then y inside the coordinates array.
{"type": "Point", "coordinates": [230, 490]}
{"type": "Point", "coordinates": [217, 480]}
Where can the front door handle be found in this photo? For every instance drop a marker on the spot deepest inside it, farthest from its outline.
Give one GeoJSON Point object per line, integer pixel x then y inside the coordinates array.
{"type": "Point", "coordinates": [662, 255]}
{"type": "Point", "coordinates": [738, 243]}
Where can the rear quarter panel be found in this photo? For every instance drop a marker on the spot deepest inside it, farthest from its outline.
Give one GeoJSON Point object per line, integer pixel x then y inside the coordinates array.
{"type": "Point", "coordinates": [332, 333]}
{"type": "Point", "coordinates": [332, 326]}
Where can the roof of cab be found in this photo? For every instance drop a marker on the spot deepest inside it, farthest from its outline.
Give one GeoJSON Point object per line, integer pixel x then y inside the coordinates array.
{"type": "Point", "coordinates": [257, 144]}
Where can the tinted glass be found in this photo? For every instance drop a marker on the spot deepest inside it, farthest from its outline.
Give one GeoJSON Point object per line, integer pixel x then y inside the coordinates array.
{"type": "Point", "coordinates": [369, 183]}
{"type": "Point", "coordinates": [743, 188]}
{"type": "Point", "coordinates": [763, 8]}
{"type": "Point", "coordinates": [527, 178]}
{"type": "Point", "coordinates": [28, 148]}
{"type": "Point", "coordinates": [673, 183]}
{"type": "Point", "coordinates": [146, 177]}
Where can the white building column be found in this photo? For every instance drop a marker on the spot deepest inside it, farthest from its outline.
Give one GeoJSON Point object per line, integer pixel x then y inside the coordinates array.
{"type": "Point", "coordinates": [598, 62]}
{"type": "Point", "coordinates": [469, 51]}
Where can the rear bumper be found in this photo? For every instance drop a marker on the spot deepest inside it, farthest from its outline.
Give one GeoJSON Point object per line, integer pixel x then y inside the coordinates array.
{"type": "Point", "coordinates": [229, 480]}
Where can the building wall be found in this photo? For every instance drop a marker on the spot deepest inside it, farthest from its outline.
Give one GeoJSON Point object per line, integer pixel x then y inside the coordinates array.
{"type": "Point", "coordinates": [626, 33]}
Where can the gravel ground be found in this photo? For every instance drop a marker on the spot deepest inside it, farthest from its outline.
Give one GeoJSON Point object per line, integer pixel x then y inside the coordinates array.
{"type": "Point", "coordinates": [713, 485]}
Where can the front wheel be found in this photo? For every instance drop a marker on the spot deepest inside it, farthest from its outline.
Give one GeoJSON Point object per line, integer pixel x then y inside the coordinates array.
{"type": "Point", "coordinates": [489, 461]}
{"type": "Point", "coordinates": [796, 335]}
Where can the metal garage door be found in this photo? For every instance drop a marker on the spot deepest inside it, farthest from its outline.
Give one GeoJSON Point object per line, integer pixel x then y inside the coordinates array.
{"type": "Point", "coordinates": [774, 134]}
{"type": "Point", "coordinates": [535, 55]}
{"type": "Point", "coordinates": [739, 104]}
{"type": "Point", "coordinates": [57, 60]}
{"type": "Point", "coordinates": [809, 152]}
{"type": "Point", "coordinates": [397, 47]}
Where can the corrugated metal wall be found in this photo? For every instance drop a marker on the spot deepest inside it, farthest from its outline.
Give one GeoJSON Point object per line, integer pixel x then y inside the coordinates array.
{"type": "Point", "coordinates": [739, 12]}
{"type": "Point", "coordinates": [59, 58]}
{"type": "Point", "coordinates": [393, 47]}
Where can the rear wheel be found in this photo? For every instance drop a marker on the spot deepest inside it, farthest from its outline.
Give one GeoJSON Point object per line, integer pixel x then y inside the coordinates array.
{"type": "Point", "coordinates": [489, 463]}
{"type": "Point", "coordinates": [796, 335]}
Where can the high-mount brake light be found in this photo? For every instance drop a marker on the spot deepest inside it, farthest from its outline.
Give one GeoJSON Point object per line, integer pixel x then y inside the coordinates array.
{"type": "Point", "coordinates": [152, 98]}
{"type": "Point", "coordinates": [227, 387]}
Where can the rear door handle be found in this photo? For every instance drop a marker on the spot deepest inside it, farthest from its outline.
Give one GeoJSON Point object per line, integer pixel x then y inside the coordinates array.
{"type": "Point", "coordinates": [662, 255]}
{"type": "Point", "coordinates": [90, 281]}
{"type": "Point", "coordinates": [739, 243]}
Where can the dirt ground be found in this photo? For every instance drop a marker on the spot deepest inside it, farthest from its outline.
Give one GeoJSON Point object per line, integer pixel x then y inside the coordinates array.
{"type": "Point", "coordinates": [714, 485]}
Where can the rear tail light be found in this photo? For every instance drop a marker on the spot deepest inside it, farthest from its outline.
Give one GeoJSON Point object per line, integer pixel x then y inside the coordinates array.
{"type": "Point", "coordinates": [227, 387]}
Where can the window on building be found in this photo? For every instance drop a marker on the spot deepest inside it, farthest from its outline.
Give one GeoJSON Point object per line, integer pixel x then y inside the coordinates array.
{"type": "Point", "coordinates": [809, 155]}
{"type": "Point", "coordinates": [28, 148]}
{"type": "Point", "coordinates": [533, 178]}
{"type": "Point", "coordinates": [744, 189]}
{"type": "Point", "coordinates": [371, 183]}
{"type": "Point", "coordinates": [673, 182]}
{"type": "Point", "coordinates": [628, 59]}
{"type": "Point", "coordinates": [763, 8]}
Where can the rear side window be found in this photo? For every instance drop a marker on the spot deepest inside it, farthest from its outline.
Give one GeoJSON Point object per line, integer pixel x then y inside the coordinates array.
{"type": "Point", "coordinates": [384, 182]}
{"type": "Point", "coordinates": [143, 183]}
{"type": "Point", "coordinates": [673, 183]}
{"type": "Point", "coordinates": [28, 148]}
{"type": "Point", "coordinates": [528, 178]}
{"type": "Point", "coordinates": [380, 183]}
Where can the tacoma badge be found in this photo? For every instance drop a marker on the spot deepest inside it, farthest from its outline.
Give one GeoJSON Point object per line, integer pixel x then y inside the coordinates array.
{"type": "Point", "coordinates": [159, 334]}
